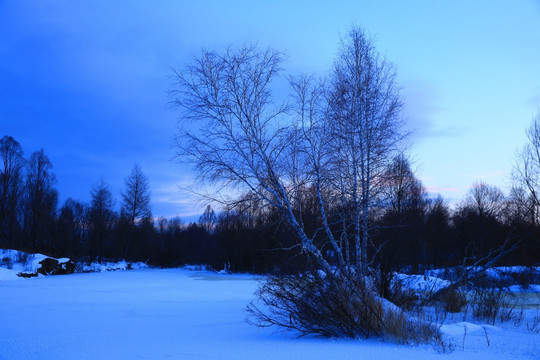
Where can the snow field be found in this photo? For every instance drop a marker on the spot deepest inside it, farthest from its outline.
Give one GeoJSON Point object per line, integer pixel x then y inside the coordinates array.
{"type": "Point", "coordinates": [183, 314]}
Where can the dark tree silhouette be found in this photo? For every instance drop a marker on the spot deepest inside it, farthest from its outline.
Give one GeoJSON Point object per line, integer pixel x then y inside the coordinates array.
{"type": "Point", "coordinates": [41, 199]}
{"type": "Point", "coordinates": [71, 229]}
{"type": "Point", "coordinates": [208, 219]}
{"type": "Point", "coordinates": [527, 167]}
{"type": "Point", "coordinates": [404, 206]}
{"type": "Point", "coordinates": [136, 196]}
{"type": "Point", "coordinates": [11, 189]}
{"type": "Point", "coordinates": [135, 210]}
{"type": "Point", "coordinates": [478, 222]}
{"type": "Point", "coordinates": [101, 219]}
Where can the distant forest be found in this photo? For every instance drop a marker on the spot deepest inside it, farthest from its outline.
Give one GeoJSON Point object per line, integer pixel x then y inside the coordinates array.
{"type": "Point", "coordinates": [411, 229]}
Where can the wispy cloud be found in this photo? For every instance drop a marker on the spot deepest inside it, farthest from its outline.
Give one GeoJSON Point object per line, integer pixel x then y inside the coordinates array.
{"type": "Point", "coordinates": [496, 174]}
{"type": "Point", "coordinates": [441, 189]}
{"type": "Point", "coordinates": [422, 106]}
{"type": "Point", "coordinates": [534, 101]}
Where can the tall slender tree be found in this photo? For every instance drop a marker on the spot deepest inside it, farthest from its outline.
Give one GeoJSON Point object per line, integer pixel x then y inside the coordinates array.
{"type": "Point", "coordinates": [208, 219]}
{"type": "Point", "coordinates": [40, 201]}
{"type": "Point", "coordinates": [101, 218]}
{"type": "Point", "coordinates": [11, 189]}
{"type": "Point", "coordinates": [135, 209]}
{"type": "Point", "coordinates": [527, 167]}
{"type": "Point", "coordinates": [364, 114]}
{"type": "Point", "coordinates": [136, 196]}
{"type": "Point", "coordinates": [71, 228]}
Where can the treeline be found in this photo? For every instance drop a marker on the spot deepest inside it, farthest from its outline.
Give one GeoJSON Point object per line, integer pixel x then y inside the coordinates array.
{"type": "Point", "coordinates": [410, 229]}
{"type": "Point", "coordinates": [31, 220]}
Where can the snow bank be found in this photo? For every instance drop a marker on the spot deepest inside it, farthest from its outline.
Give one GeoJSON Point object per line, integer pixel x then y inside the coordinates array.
{"type": "Point", "coordinates": [195, 267]}
{"type": "Point", "coordinates": [112, 266]}
{"type": "Point", "coordinates": [8, 274]}
{"type": "Point", "coordinates": [459, 329]}
{"type": "Point", "coordinates": [496, 273]}
{"type": "Point", "coordinates": [421, 283]}
{"type": "Point", "coordinates": [13, 262]}
{"type": "Point", "coordinates": [22, 262]}
{"type": "Point", "coordinates": [172, 314]}
{"type": "Point", "coordinates": [520, 289]}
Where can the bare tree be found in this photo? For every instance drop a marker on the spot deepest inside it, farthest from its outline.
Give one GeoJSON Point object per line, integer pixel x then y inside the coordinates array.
{"type": "Point", "coordinates": [485, 200]}
{"type": "Point", "coordinates": [242, 137]}
{"type": "Point", "coordinates": [527, 167]}
{"type": "Point", "coordinates": [136, 197]}
{"type": "Point", "coordinates": [400, 220]}
{"type": "Point", "coordinates": [100, 218]}
{"type": "Point", "coordinates": [208, 219]}
{"type": "Point", "coordinates": [40, 201]}
{"type": "Point", "coordinates": [11, 188]}
{"type": "Point", "coordinates": [337, 142]}
{"type": "Point", "coordinates": [402, 191]}
{"type": "Point", "coordinates": [520, 206]}
{"type": "Point", "coordinates": [365, 117]}
{"type": "Point", "coordinates": [349, 130]}
{"type": "Point", "coordinates": [135, 205]}
{"type": "Point", "coordinates": [71, 227]}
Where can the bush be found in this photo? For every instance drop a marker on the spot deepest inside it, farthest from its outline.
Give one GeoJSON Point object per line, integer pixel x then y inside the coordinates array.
{"type": "Point", "coordinates": [526, 276]}
{"type": "Point", "coordinates": [453, 300]}
{"type": "Point", "coordinates": [534, 327]}
{"type": "Point", "coordinates": [333, 305]}
{"type": "Point", "coordinates": [391, 288]}
{"type": "Point", "coordinates": [524, 280]}
{"type": "Point", "coordinates": [23, 257]}
{"type": "Point", "coordinates": [487, 304]}
{"type": "Point", "coordinates": [6, 262]}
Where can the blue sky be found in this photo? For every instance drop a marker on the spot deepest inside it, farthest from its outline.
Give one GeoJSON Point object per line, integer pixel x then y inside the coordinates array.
{"type": "Point", "coordinates": [87, 81]}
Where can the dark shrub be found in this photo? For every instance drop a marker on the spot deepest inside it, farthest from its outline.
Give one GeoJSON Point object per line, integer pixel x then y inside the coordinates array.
{"type": "Point", "coordinates": [336, 305]}
{"type": "Point", "coordinates": [453, 299]}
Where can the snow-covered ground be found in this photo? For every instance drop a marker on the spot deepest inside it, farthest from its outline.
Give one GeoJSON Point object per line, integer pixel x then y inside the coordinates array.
{"type": "Point", "coordinates": [110, 266]}
{"type": "Point", "coordinates": [421, 283]}
{"type": "Point", "coordinates": [184, 314]}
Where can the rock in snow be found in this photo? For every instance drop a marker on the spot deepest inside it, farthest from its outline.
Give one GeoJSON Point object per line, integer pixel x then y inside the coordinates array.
{"type": "Point", "coordinates": [51, 266]}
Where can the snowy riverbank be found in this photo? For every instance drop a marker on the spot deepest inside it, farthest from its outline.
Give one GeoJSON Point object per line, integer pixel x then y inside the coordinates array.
{"type": "Point", "coordinates": [184, 314]}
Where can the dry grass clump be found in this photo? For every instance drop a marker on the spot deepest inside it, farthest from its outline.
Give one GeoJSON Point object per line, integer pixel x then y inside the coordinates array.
{"type": "Point", "coordinates": [392, 289]}
{"type": "Point", "coordinates": [453, 299]}
{"type": "Point", "coordinates": [334, 305]}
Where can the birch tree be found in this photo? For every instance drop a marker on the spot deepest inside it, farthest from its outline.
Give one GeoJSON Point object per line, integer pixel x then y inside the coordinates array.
{"type": "Point", "coordinates": [332, 141]}
{"type": "Point", "coordinates": [364, 114]}
{"type": "Point", "coordinates": [235, 135]}
{"type": "Point", "coordinates": [527, 167]}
